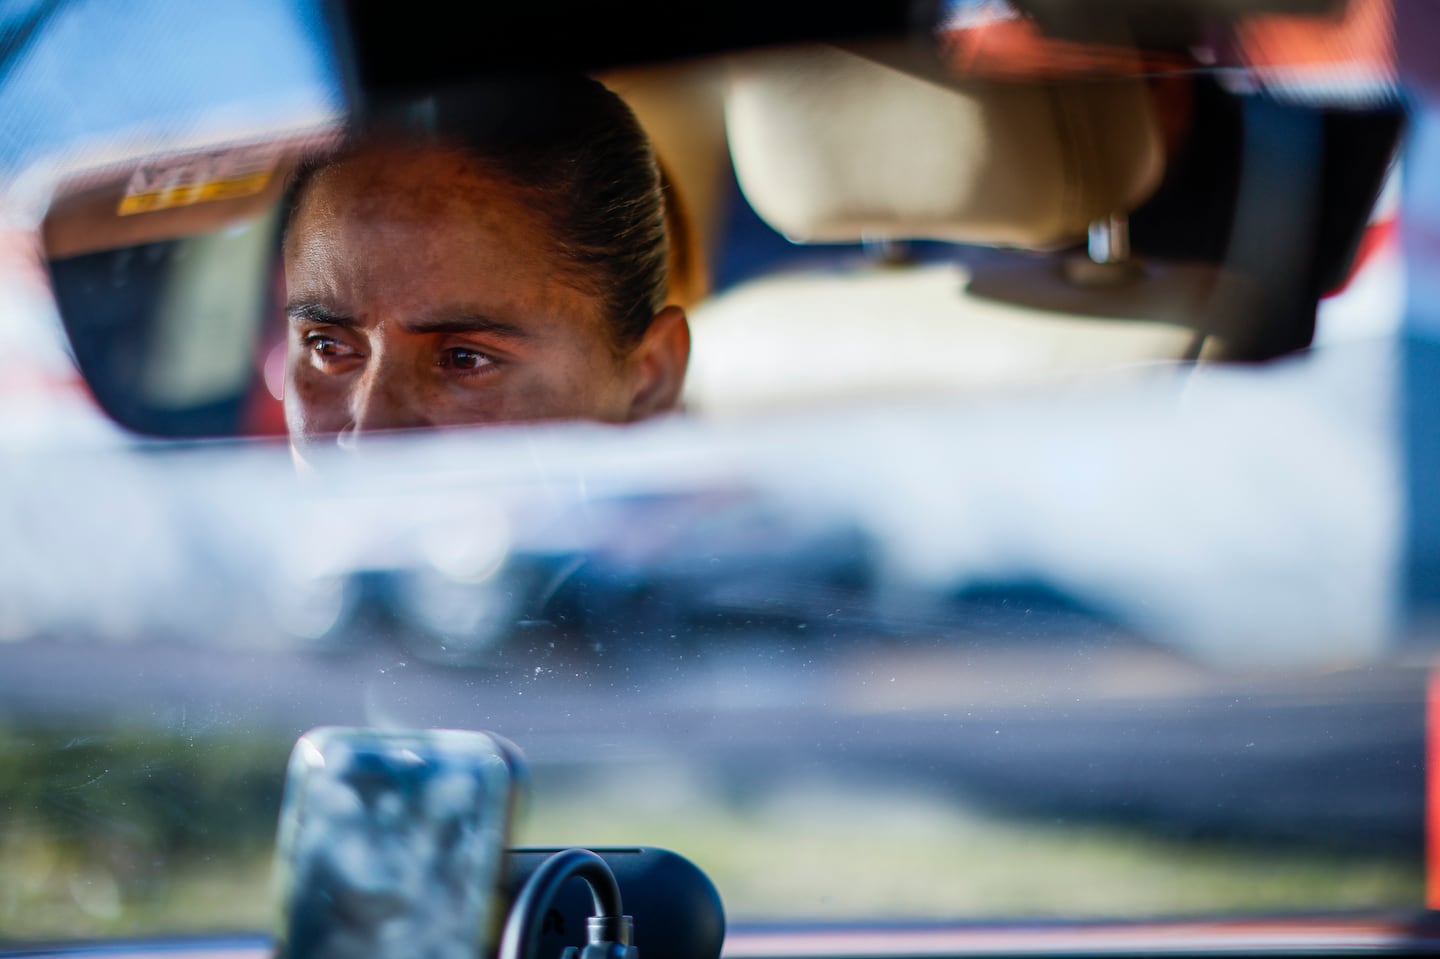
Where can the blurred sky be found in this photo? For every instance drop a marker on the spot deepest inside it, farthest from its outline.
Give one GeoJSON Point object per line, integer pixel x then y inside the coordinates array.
{"type": "Point", "coordinates": [81, 76]}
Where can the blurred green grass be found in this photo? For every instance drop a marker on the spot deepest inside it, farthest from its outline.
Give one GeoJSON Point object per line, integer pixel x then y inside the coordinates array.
{"type": "Point", "coordinates": [818, 851]}
{"type": "Point", "coordinates": [127, 831]}
{"type": "Point", "coordinates": [133, 833]}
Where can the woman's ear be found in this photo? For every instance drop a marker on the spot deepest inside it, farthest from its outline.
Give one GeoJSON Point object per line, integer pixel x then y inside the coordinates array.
{"type": "Point", "coordinates": [658, 364]}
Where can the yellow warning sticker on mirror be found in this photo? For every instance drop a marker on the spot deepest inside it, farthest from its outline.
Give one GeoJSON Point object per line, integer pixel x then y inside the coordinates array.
{"type": "Point", "coordinates": [198, 178]}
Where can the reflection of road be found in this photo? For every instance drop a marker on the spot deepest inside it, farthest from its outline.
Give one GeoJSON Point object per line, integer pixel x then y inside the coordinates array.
{"type": "Point", "coordinates": [1132, 737]}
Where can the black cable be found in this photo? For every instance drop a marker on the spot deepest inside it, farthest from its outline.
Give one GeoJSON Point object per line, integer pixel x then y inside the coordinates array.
{"type": "Point", "coordinates": [608, 930]}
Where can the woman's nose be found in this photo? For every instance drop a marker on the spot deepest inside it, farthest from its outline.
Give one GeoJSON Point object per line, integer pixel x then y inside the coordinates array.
{"type": "Point", "coordinates": [387, 396]}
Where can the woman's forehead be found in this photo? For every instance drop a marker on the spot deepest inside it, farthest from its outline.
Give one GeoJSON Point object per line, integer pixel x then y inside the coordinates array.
{"type": "Point", "coordinates": [423, 180]}
{"type": "Point", "coordinates": [399, 231]}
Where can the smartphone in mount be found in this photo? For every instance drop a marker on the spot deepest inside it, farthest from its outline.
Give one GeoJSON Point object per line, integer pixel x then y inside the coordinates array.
{"type": "Point", "coordinates": [392, 843]}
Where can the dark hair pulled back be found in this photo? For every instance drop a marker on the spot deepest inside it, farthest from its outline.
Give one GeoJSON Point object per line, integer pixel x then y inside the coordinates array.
{"type": "Point", "coordinates": [578, 156]}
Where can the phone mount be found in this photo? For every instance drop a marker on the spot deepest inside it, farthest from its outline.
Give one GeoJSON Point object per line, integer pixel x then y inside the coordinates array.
{"type": "Point", "coordinates": [395, 842]}
{"type": "Point", "coordinates": [675, 909]}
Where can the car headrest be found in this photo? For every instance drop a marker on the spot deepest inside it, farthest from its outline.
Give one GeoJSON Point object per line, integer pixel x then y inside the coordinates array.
{"type": "Point", "coordinates": [833, 146]}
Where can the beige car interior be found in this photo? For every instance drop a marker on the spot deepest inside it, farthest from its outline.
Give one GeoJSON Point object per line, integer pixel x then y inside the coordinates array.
{"type": "Point", "coordinates": [882, 144]}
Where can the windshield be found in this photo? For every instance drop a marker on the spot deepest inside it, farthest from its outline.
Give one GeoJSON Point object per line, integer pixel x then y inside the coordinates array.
{"type": "Point", "coordinates": [1054, 546]}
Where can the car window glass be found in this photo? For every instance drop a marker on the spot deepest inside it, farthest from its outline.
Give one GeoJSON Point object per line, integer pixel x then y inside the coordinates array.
{"type": "Point", "coordinates": [1013, 572]}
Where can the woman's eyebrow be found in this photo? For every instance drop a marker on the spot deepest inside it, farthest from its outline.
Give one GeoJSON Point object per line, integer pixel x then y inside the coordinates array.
{"type": "Point", "coordinates": [466, 323]}
{"type": "Point", "coordinates": [303, 312]}
{"type": "Point", "coordinates": [440, 322]}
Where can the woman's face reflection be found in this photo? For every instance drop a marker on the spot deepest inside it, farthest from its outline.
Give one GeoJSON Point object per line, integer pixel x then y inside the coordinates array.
{"type": "Point", "coordinates": [423, 291]}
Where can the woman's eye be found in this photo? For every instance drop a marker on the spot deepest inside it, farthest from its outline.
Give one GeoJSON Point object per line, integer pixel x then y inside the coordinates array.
{"type": "Point", "coordinates": [324, 346]}
{"type": "Point", "coordinates": [327, 350]}
{"type": "Point", "coordinates": [466, 361]}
